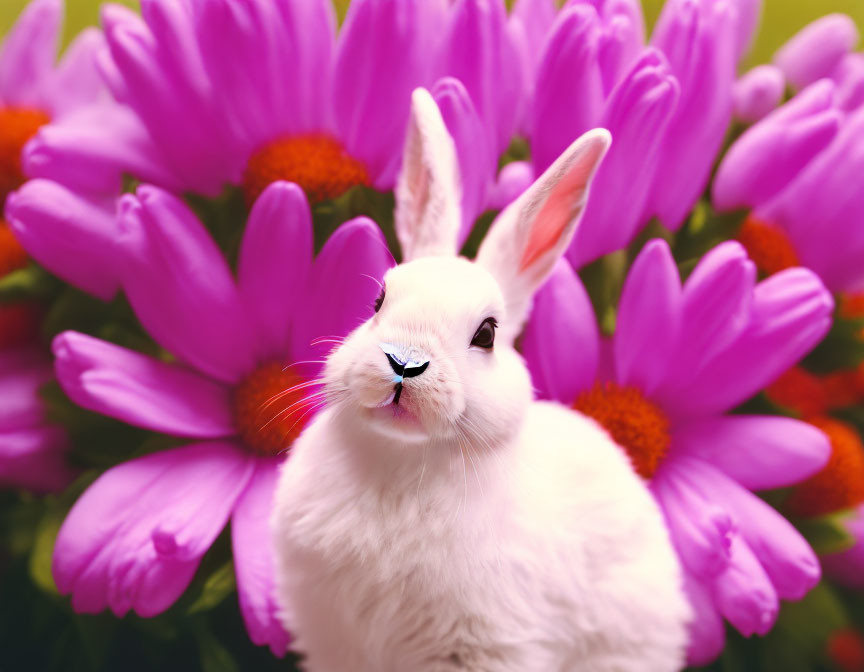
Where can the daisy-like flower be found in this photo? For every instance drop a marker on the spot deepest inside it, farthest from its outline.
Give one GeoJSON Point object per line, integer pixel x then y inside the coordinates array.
{"type": "Point", "coordinates": [34, 90]}
{"type": "Point", "coordinates": [242, 386]}
{"type": "Point", "coordinates": [798, 171]}
{"type": "Point", "coordinates": [668, 107]}
{"type": "Point", "coordinates": [246, 94]}
{"type": "Point", "coordinates": [32, 449]}
{"type": "Point", "coordinates": [680, 358]}
{"type": "Point", "coordinates": [215, 93]}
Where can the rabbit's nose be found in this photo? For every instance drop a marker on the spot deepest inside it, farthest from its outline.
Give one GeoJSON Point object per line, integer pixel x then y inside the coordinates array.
{"type": "Point", "coordinates": [404, 365]}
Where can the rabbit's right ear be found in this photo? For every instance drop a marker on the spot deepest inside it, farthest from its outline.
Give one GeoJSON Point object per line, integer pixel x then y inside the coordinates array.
{"type": "Point", "coordinates": [531, 234]}
{"type": "Point", "coordinates": [428, 195]}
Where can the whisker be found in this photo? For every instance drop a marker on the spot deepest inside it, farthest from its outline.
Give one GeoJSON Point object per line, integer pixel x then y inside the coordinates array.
{"type": "Point", "coordinates": [300, 386]}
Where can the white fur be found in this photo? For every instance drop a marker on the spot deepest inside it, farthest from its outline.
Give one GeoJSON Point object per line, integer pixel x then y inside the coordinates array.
{"type": "Point", "coordinates": [469, 528]}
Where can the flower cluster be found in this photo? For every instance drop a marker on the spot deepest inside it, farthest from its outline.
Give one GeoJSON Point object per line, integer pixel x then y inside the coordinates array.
{"type": "Point", "coordinates": [198, 204]}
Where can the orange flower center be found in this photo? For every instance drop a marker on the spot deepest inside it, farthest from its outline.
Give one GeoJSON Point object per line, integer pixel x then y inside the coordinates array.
{"type": "Point", "coordinates": [317, 163]}
{"type": "Point", "coordinates": [636, 424]}
{"type": "Point", "coordinates": [17, 126]}
{"type": "Point", "coordinates": [767, 245]}
{"type": "Point", "coordinates": [19, 324]}
{"type": "Point", "coordinates": [851, 306]}
{"type": "Point", "coordinates": [840, 484]}
{"type": "Point", "coordinates": [271, 407]}
{"type": "Point", "coordinates": [810, 394]}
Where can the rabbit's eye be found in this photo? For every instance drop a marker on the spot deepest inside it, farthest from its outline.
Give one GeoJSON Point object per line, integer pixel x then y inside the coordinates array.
{"type": "Point", "coordinates": [380, 300]}
{"type": "Point", "coordinates": [484, 337]}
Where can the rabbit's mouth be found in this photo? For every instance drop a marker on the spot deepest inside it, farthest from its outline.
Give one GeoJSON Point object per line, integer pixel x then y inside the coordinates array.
{"type": "Point", "coordinates": [396, 419]}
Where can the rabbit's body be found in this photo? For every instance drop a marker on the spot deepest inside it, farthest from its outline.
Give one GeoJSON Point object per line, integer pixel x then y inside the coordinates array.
{"type": "Point", "coordinates": [435, 518]}
{"type": "Point", "coordinates": [546, 555]}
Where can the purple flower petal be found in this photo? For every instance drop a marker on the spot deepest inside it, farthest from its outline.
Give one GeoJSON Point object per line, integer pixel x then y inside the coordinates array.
{"type": "Point", "coordinates": [568, 97]}
{"type": "Point", "coordinates": [513, 180]}
{"type": "Point", "coordinates": [35, 459]}
{"type": "Point", "coordinates": [181, 288]}
{"type": "Point", "coordinates": [22, 406]}
{"type": "Point", "coordinates": [274, 78]}
{"type": "Point", "coordinates": [28, 53]}
{"type": "Point", "coordinates": [71, 236]}
{"type": "Point", "coordinates": [715, 310]}
{"type": "Point", "coordinates": [747, 21]}
{"type": "Point", "coordinates": [561, 339]}
{"type": "Point", "coordinates": [77, 81]}
{"type": "Point", "coordinates": [637, 115]}
{"type": "Point", "coordinates": [164, 81]}
{"type": "Point", "coordinates": [530, 23]}
{"type": "Point", "coordinates": [790, 313]}
{"type": "Point", "coordinates": [275, 258]}
{"type": "Point", "coordinates": [374, 78]}
{"type": "Point", "coordinates": [254, 559]}
{"type": "Point", "coordinates": [699, 41]}
{"type": "Point", "coordinates": [346, 278]}
{"type": "Point", "coordinates": [476, 161]}
{"type": "Point", "coordinates": [768, 156]}
{"type": "Point", "coordinates": [622, 41]}
{"type": "Point", "coordinates": [140, 390]}
{"type": "Point", "coordinates": [787, 560]}
{"type": "Point", "coordinates": [758, 92]}
{"type": "Point", "coordinates": [849, 75]}
{"type": "Point", "coordinates": [135, 537]}
{"type": "Point", "coordinates": [649, 315]}
{"type": "Point", "coordinates": [816, 49]}
{"type": "Point", "coordinates": [479, 51]}
{"type": "Point", "coordinates": [744, 593]}
{"type": "Point", "coordinates": [707, 633]}
{"type": "Point", "coordinates": [92, 149]}
{"type": "Point", "coordinates": [820, 209]}
{"type": "Point", "coordinates": [759, 452]}
{"type": "Point", "coordinates": [701, 529]}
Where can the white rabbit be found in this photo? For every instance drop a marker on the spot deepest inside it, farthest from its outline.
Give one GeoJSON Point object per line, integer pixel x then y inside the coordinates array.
{"type": "Point", "coordinates": [432, 517]}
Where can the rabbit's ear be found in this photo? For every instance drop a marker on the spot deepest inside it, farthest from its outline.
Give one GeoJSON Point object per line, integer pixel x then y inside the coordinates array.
{"type": "Point", "coordinates": [427, 194]}
{"type": "Point", "coordinates": [534, 231]}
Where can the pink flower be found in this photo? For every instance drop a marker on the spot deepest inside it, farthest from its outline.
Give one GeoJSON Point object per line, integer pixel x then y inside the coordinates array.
{"type": "Point", "coordinates": [798, 171]}
{"type": "Point", "coordinates": [34, 89]}
{"type": "Point", "coordinates": [668, 107]}
{"type": "Point", "coordinates": [757, 92]}
{"type": "Point", "coordinates": [218, 92]}
{"type": "Point", "coordinates": [30, 77]}
{"type": "Point", "coordinates": [680, 359]}
{"type": "Point", "coordinates": [32, 449]}
{"type": "Point", "coordinates": [817, 49]}
{"type": "Point", "coordinates": [242, 386]}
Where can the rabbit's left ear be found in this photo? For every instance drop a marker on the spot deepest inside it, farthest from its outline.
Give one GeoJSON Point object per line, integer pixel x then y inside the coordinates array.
{"type": "Point", "coordinates": [528, 238]}
{"type": "Point", "coordinates": [428, 194]}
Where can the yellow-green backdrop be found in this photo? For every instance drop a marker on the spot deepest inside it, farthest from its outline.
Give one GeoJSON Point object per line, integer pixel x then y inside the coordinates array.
{"type": "Point", "coordinates": [780, 20]}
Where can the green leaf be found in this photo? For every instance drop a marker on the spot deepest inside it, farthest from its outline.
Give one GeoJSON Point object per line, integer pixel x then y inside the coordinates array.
{"type": "Point", "coordinates": [43, 548]}
{"type": "Point", "coordinates": [214, 656]}
{"type": "Point", "coordinates": [27, 283]}
{"type": "Point", "coordinates": [827, 534]}
{"type": "Point", "coordinates": [798, 640]}
{"type": "Point", "coordinates": [217, 587]}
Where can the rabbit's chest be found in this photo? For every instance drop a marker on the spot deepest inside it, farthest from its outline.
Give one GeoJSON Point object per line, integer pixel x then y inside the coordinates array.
{"type": "Point", "coordinates": [403, 592]}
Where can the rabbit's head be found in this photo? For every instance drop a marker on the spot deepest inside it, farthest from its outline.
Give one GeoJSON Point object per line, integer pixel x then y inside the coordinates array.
{"type": "Point", "coordinates": [436, 362]}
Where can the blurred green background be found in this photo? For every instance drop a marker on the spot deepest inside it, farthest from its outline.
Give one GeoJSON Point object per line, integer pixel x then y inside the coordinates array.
{"type": "Point", "coordinates": [780, 20]}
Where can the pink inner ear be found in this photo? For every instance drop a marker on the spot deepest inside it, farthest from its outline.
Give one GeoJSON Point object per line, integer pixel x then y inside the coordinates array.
{"type": "Point", "coordinates": [559, 209]}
